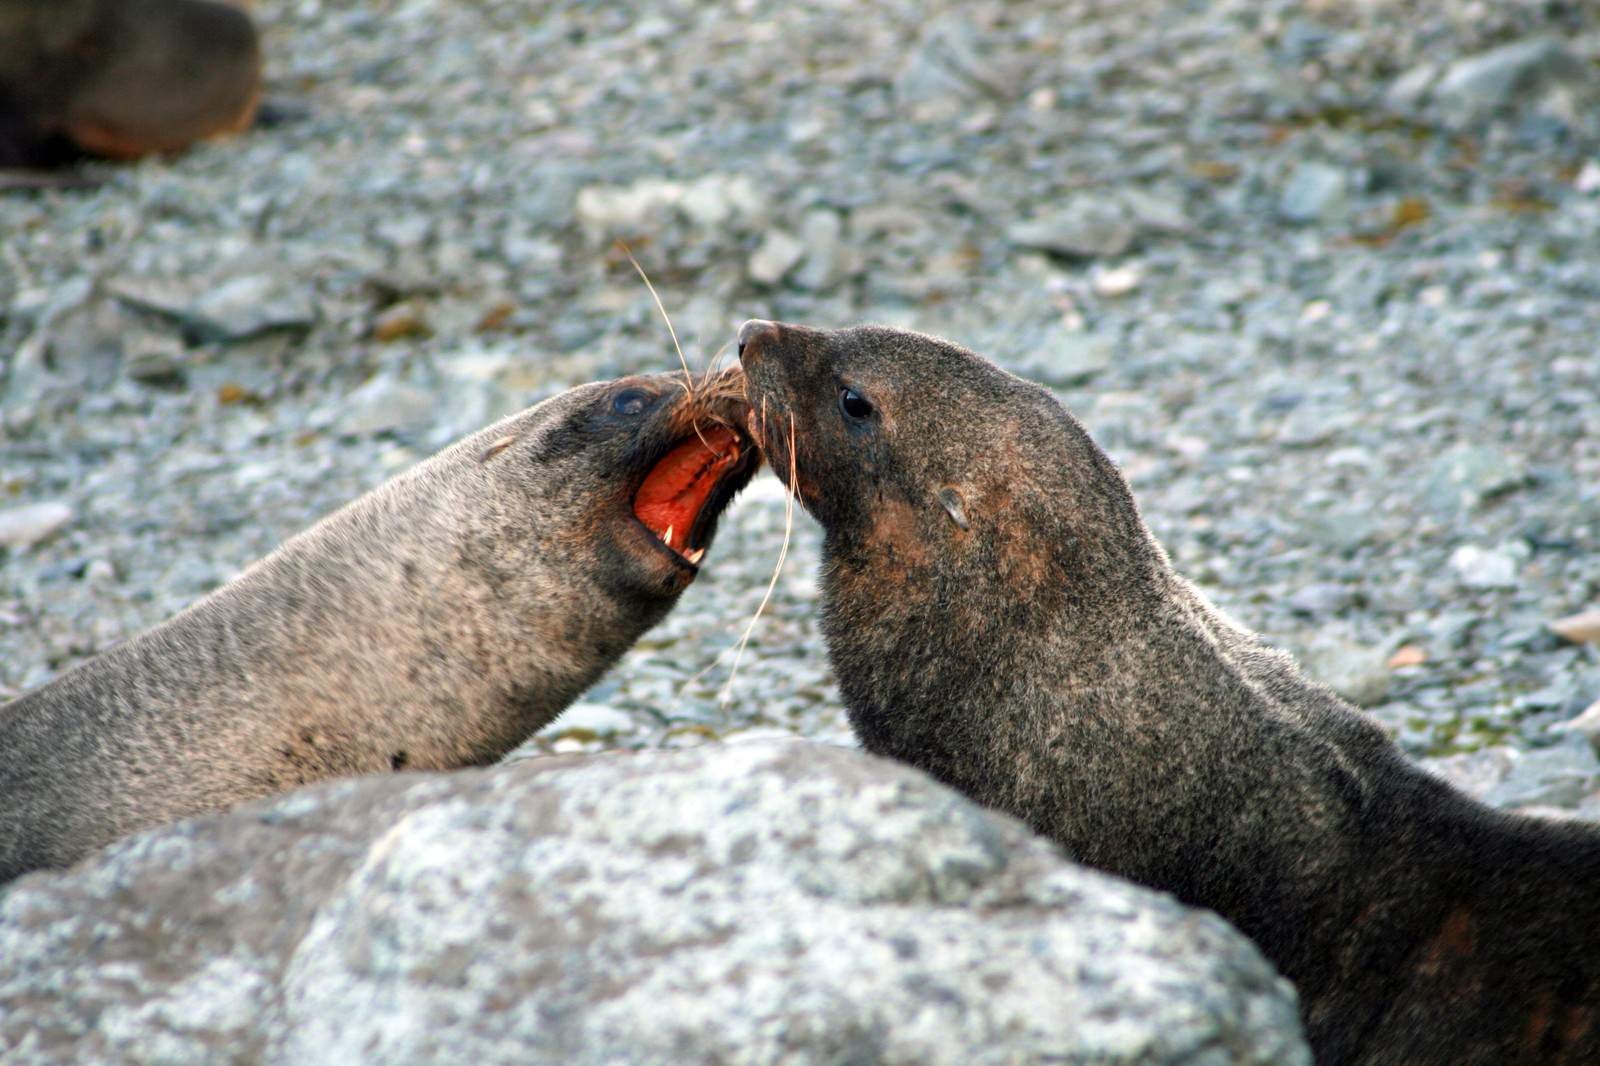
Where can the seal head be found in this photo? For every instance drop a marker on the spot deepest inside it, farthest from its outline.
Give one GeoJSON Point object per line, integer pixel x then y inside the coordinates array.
{"type": "Point", "coordinates": [998, 615]}
{"type": "Point", "coordinates": [648, 467]}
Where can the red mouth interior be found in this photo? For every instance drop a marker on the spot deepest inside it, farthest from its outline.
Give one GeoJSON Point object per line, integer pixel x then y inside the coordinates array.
{"type": "Point", "coordinates": [676, 490]}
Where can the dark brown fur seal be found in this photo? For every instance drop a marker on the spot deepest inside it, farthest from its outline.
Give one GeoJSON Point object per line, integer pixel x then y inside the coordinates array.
{"type": "Point", "coordinates": [122, 78]}
{"type": "Point", "coordinates": [433, 623]}
{"type": "Point", "coordinates": [998, 614]}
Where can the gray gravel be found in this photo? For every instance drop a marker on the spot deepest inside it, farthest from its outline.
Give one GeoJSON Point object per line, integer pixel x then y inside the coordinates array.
{"type": "Point", "coordinates": [1322, 277]}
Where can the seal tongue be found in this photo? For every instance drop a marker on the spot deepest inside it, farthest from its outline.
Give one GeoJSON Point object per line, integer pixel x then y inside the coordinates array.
{"type": "Point", "coordinates": [677, 488]}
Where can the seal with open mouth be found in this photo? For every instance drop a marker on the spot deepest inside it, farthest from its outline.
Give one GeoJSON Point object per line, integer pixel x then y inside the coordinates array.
{"type": "Point", "coordinates": [435, 622]}
{"type": "Point", "coordinates": [998, 614]}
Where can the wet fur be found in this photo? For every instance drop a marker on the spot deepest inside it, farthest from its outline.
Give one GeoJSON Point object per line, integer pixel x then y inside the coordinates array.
{"type": "Point", "coordinates": [433, 623]}
{"type": "Point", "coordinates": [1047, 661]}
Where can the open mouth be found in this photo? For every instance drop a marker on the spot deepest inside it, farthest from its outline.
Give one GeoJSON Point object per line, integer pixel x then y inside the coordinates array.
{"type": "Point", "coordinates": [682, 494]}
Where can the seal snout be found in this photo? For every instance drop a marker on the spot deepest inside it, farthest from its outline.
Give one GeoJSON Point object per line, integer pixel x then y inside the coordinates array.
{"type": "Point", "coordinates": [755, 335]}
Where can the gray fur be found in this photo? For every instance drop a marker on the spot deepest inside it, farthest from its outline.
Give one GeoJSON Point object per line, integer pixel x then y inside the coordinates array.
{"type": "Point", "coordinates": [1047, 661]}
{"type": "Point", "coordinates": [433, 623]}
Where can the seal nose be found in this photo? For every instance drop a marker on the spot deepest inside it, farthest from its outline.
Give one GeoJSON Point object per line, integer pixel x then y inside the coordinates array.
{"type": "Point", "coordinates": [756, 334]}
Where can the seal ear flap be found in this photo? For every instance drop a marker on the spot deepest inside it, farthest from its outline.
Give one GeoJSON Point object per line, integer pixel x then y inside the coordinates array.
{"type": "Point", "coordinates": [952, 503]}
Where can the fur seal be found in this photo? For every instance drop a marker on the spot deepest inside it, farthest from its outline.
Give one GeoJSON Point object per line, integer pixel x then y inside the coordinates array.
{"type": "Point", "coordinates": [122, 78]}
{"type": "Point", "coordinates": [998, 614]}
{"type": "Point", "coordinates": [433, 623]}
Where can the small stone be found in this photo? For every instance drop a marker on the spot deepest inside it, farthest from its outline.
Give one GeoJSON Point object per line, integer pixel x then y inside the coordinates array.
{"type": "Point", "coordinates": [1495, 81]}
{"type": "Point", "coordinates": [595, 718]}
{"type": "Point", "coordinates": [1407, 655]}
{"type": "Point", "coordinates": [1321, 598]}
{"type": "Point", "coordinates": [1358, 673]}
{"type": "Point", "coordinates": [1470, 475]}
{"type": "Point", "coordinates": [778, 254]}
{"type": "Point", "coordinates": [246, 306]}
{"type": "Point", "coordinates": [401, 320]}
{"type": "Point", "coordinates": [1586, 723]}
{"type": "Point", "coordinates": [231, 393]}
{"type": "Point", "coordinates": [1118, 281]}
{"type": "Point", "coordinates": [1581, 628]}
{"type": "Point", "coordinates": [827, 258]}
{"type": "Point", "coordinates": [1315, 311]}
{"type": "Point", "coordinates": [384, 406]}
{"type": "Point", "coordinates": [1588, 179]}
{"type": "Point", "coordinates": [1313, 192]}
{"type": "Point", "coordinates": [156, 361]}
{"type": "Point", "coordinates": [1065, 358]}
{"type": "Point", "coordinates": [1485, 568]}
{"type": "Point", "coordinates": [34, 523]}
{"type": "Point", "coordinates": [1083, 228]}
{"type": "Point", "coordinates": [716, 200]}
{"type": "Point", "coordinates": [1475, 772]}
{"type": "Point", "coordinates": [1559, 776]}
{"type": "Point", "coordinates": [100, 572]}
{"type": "Point", "coordinates": [1409, 91]}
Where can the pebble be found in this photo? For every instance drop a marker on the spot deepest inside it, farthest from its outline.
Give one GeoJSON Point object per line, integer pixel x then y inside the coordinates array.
{"type": "Point", "coordinates": [778, 253]}
{"type": "Point", "coordinates": [1581, 628]}
{"type": "Point", "coordinates": [594, 718]}
{"type": "Point", "coordinates": [1358, 673]}
{"type": "Point", "coordinates": [1585, 724]}
{"type": "Point", "coordinates": [1321, 598]}
{"type": "Point", "coordinates": [384, 406]}
{"type": "Point", "coordinates": [1084, 228]}
{"type": "Point", "coordinates": [1478, 86]}
{"type": "Point", "coordinates": [34, 523]}
{"type": "Point", "coordinates": [828, 260]}
{"type": "Point", "coordinates": [1117, 281]}
{"type": "Point", "coordinates": [243, 307]}
{"type": "Point", "coordinates": [1313, 192]}
{"type": "Point", "coordinates": [1485, 568]}
{"type": "Point", "coordinates": [1561, 775]}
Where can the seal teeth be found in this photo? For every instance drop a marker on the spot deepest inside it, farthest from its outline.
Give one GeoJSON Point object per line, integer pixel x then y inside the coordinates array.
{"type": "Point", "coordinates": [695, 556]}
{"type": "Point", "coordinates": [667, 536]}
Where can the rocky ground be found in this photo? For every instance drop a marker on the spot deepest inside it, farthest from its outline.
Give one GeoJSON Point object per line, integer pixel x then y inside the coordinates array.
{"type": "Point", "coordinates": [1324, 278]}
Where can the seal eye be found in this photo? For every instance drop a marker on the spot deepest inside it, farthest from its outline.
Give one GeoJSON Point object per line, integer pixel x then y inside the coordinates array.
{"type": "Point", "coordinates": [630, 402]}
{"type": "Point", "coordinates": [854, 405]}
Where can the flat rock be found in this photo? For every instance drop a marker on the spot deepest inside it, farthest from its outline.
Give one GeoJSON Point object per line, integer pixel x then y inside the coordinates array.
{"type": "Point", "coordinates": [1486, 568]}
{"type": "Point", "coordinates": [1313, 192]}
{"type": "Point", "coordinates": [1493, 81]}
{"type": "Point", "coordinates": [778, 253]}
{"type": "Point", "coordinates": [1558, 776]}
{"type": "Point", "coordinates": [1357, 672]}
{"type": "Point", "coordinates": [383, 405]}
{"type": "Point", "coordinates": [1580, 628]}
{"type": "Point", "coordinates": [761, 902]}
{"type": "Point", "coordinates": [231, 310]}
{"type": "Point", "coordinates": [33, 523]}
{"type": "Point", "coordinates": [1083, 230]}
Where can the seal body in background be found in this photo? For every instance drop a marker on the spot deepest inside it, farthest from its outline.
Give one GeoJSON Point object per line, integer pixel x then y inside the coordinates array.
{"type": "Point", "coordinates": [433, 623]}
{"type": "Point", "coordinates": [998, 614]}
{"type": "Point", "coordinates": [122, 78]}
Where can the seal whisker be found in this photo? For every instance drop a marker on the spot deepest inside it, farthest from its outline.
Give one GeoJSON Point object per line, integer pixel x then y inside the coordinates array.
{"type": "Point", "coordinates": [687, 376]}
{"type": "Point", "coordinates": [783, 553]}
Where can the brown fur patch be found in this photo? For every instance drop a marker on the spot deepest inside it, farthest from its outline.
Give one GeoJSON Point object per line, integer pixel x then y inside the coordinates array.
{"type": "Point", "coordinates": [896, 536]}
{"type": "Point", "coordinates": [1456, 939]}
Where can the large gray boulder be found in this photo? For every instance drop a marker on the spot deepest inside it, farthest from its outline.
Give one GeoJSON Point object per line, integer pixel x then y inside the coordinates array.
{"type": "Point", "coordinates": [778, 902]}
